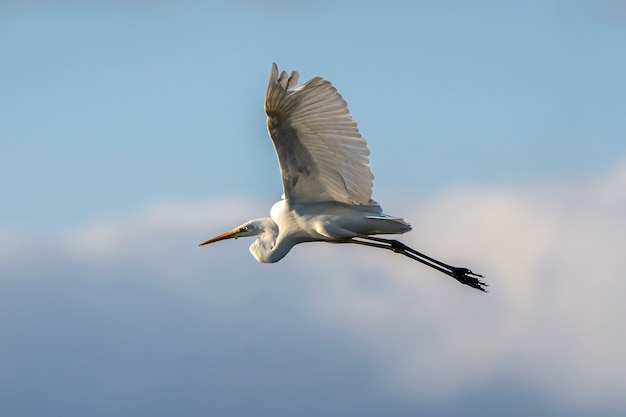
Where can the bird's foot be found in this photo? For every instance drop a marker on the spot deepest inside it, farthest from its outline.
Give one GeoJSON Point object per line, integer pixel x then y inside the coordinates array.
{"type": "Point", "coordinates": [463, 275]}
{"type": "Point", "coordinates": [467, 277]}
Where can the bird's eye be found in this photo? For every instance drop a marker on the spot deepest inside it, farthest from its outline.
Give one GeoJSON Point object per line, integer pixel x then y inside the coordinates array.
{"type": "Point", "coordinates": [243, 229]}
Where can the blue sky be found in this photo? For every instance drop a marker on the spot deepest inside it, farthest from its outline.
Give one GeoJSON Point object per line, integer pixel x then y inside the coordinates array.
{"type": "Point", "coordinates": [131, 131]}
{"type": "Point", "coordinates": [107, 107]}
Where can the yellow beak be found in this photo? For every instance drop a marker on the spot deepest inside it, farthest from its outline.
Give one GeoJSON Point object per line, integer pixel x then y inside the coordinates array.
{"type": "Point", "coordinates": [228, 235]}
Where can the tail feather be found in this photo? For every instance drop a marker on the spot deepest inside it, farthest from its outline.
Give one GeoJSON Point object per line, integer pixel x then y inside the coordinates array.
{"type": "Point", "coordinates": [401, 226]}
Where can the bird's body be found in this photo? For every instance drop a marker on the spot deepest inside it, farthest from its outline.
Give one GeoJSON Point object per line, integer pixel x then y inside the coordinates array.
{"type": "Point", "coordinates": [291, 224]}
{"type": "Point", "coordinates": [327, 181]}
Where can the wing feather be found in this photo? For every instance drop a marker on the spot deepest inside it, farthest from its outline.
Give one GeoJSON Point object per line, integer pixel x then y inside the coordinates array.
{"type": "Point", "coordinates": [321, 153]}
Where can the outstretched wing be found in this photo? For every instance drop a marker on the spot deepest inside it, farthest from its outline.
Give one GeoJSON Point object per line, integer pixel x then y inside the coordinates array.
{"type": "Point", "coordinates": [321, 154]}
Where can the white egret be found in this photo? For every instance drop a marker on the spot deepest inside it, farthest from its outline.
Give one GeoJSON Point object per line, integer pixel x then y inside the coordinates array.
{"type": "Point", "coordinates": [327, 182]}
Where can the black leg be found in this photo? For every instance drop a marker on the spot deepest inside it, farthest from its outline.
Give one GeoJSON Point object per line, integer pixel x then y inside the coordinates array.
{"type": "Point", "coordinates": [463, 275]}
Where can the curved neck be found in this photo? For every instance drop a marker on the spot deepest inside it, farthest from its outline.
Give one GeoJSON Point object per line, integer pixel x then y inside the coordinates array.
{"type": "Point", "coordinates": [269, 247]}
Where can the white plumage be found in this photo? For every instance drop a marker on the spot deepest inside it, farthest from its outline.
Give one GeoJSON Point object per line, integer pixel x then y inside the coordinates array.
{"type": "Point", "coordinates": [327, 182]}
{"type": "Point", "coordinates": [321, 154]}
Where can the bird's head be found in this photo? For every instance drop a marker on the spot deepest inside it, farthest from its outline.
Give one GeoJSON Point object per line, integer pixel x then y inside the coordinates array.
{"type": "Point", "coordinates": [250, 228]}
{"type": "Point", "coordinates": [263, 247]}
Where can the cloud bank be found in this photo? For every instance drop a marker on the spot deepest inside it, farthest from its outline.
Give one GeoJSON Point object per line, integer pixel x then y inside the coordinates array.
{"type": "Point", "coordinates": [127, 315]}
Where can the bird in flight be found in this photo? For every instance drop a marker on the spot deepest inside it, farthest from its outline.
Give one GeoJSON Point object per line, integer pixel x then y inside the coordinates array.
{"type": "Point", "coordinates": [327, 182]}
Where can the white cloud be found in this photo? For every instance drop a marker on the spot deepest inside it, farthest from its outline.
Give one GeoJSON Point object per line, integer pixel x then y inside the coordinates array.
{"type": "Point", "coordinates": [554, 320]}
